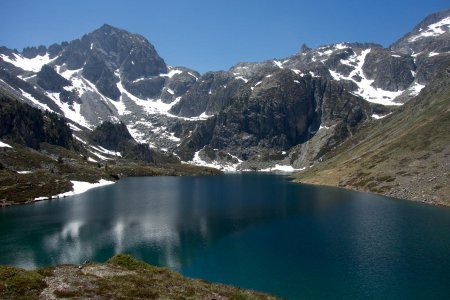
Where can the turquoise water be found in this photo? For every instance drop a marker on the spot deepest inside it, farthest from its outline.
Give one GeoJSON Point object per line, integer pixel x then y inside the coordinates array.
{"type": "Point", "coordinates": [255, 231]}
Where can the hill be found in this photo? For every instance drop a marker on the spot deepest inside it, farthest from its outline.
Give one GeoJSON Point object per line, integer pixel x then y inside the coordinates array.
{"type": "Point", "coordinates": [404, 155]}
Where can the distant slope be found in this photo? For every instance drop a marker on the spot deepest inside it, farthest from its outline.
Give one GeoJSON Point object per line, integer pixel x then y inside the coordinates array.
{"type": "Point", "coordinates": [29, 126]}
{"type": "Point", "coordinates": [404, 155]}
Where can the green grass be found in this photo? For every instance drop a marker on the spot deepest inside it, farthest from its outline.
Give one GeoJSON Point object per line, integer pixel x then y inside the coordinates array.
{"type": "Point", "coordinates": [130, 263]}
{"type": "Point", "coordinates": [20, 284]}
{"type": "Point", "coordinates": [124, 277]}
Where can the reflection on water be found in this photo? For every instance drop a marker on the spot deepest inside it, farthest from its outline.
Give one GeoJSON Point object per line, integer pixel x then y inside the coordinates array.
{"type": "Point", "coordinates": [256, 231]}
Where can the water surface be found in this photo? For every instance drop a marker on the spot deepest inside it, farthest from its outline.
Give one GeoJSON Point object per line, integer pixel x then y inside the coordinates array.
{"type": "Point", "coordinates": [255, 231]}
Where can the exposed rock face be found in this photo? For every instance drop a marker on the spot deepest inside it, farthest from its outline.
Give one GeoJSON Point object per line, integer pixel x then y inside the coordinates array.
{"type": "Point", "coordinates": [428, 43]}
{"type": "Point", "coordinates": [115, 137]}
{"type": "Point", "coordinates": [303, 105]}
{"type": "Point", "coordinates": [404, 155]}
{"type": "Point", "coordinates": [29, 126]}
{"type": "Point", "coordinates": [51, 81]}
{"type": "Point", "coordinates": [208, 95]}
{"type": "Point", "coordinates": [284, 110]}
{"type": "Point", "coordinates": [432, 34]}
{"type": "Point", "coordinates": [390, 71]}
{"type": "Point", "coordinates": [111, 135]}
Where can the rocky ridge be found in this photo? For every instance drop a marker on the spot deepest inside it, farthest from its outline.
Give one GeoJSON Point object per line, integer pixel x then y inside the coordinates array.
{"type": "Point", "coordinates": [405, 155]}
{"type": "Point", "coordinates": [284, 111]}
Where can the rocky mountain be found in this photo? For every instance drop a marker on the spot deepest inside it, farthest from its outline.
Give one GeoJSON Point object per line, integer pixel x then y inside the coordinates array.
{"type": "Point", "coordinates": [41, 158]}
{"type": "Point", "coordinates": [288, 111]}
{"type": "Point", "coordinates": [26, 125]}
{"type": "Point", "coordinates": [405, 154]}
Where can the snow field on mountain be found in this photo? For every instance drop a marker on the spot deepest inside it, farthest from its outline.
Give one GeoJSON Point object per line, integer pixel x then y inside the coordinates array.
{"type": "Point", "coordinates": [435, 29]}
{"type": "Point", "coordinates": [34, 64]}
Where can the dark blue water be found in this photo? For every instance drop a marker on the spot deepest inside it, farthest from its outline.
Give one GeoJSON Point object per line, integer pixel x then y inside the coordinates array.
{"type": "Point", "coordinates": [255, 231]}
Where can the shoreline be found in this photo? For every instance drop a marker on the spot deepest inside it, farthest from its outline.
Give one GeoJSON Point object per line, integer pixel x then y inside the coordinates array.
{"type": "Point", "coordinates": [390, 194]}
{"type": "Point", "coordinates": [78, 187]}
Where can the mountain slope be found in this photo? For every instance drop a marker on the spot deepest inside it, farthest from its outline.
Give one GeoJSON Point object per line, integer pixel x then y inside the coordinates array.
{"type": "Point", "coordinates": [405, 155]}
{"type": "Point", "coordinates": [40, 157]}
{"type": "Point", "coordinates": [286, 111]}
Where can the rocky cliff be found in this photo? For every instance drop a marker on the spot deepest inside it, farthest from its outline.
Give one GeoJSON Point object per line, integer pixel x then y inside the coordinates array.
{"type": "Point", "coordinates": [288, 111]}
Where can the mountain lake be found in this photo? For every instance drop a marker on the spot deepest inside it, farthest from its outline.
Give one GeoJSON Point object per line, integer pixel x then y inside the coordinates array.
{"type": "Point", "coordinates": [256, 231]}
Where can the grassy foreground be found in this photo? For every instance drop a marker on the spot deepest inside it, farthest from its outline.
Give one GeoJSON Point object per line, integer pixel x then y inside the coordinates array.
{"type": "Point", "coordinates": [121, 277]}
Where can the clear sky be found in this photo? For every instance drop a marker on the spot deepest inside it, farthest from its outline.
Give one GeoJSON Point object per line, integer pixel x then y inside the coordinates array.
{"type": "Point", "coordinates": [211, 35]}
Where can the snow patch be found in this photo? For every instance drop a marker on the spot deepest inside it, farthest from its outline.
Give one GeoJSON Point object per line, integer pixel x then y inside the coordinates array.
{"type": "Point", "coordinates": [415, 89]}
{"type": "Point", "coordinates": [157, 106]}
{"type": "Point", "coordinates": [79, 139]}
{"type": "Point", "coordinates": [282, 168]}
{"type": "Point", "coordinates": [71, 112]}
{"type": "Point", "coordinates": [377, 117]}
{"type": "Point", "coordinates": [172, 73]}
{"type": "Point", "coordinates": [78, 188]}
{"type": "Point", "coordinates": [226, 167]}
{"type": "Point", "coordinates": [4, 145]}
{"type": "Point", "coordinates": [99, 155]}
{"type": "Point", "coordinates": [137, 135]}
{"type": "Point", "coordinates": [279, 64]}
{"type": "Point", "coordinates": [242, 78]}
{"type": "Point", "coordinates": [365, 88]}
{"type": "Point", "coordinates": [106, 151]}
{"type": "Point", "coordinates": [150, 106]}
{"type": "Point", "coordinates": [196, 78]}
{"type": "Point", "coordinates": [73, 127]}
{"type": "Point", "coordinates": [24, 172]}
{"type": "Point", "coordinates": [341, 46]}
{"type": "Point", "coordinates": [35, 101]}
{"type": "Point", "coordinates": [435, 29]}
{"type": "Point", "coordinates": [29, 64]}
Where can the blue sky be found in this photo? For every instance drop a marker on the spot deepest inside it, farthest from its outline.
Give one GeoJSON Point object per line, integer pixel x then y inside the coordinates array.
{"type": "Point", "coordinates": [214, 35]}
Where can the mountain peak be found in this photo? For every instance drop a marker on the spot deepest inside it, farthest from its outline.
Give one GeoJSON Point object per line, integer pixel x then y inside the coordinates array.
{"type": "Point", "coordinates": [431, 34]}
{"type": "Point", "coordinates": [108, 29]}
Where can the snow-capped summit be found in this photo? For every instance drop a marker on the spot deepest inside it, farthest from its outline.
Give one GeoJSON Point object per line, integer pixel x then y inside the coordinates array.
{"type": "Point", "coordinates": [112, 74]}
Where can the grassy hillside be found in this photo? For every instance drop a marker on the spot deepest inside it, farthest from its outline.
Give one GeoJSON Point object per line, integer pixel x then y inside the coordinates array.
{"type": "Point", "coordinates": [404, 155]}
{"type": "Point", "coordinates": [122, 277]}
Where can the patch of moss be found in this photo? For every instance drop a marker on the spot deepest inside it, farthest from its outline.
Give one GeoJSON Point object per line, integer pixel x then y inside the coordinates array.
{"type": "Point", "coordinates": [67, 294]}
{"type": "Point", "coordinates": [150, 282]}
{"type": "Point", "coordinates": [20, 284]}
{"type": "Point", "coordinates": [129, 262]}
